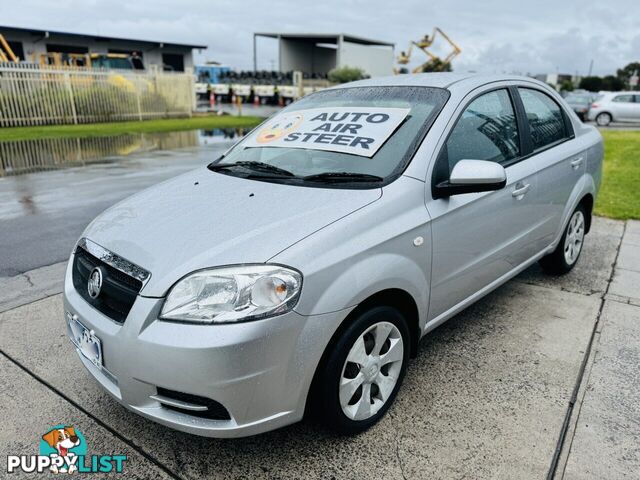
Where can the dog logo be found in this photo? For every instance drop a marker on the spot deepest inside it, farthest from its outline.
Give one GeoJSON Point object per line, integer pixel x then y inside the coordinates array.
{"type": "Point", "coordinates": [65, 443]}
{"type": "Point", "coordinates": [279, 127]}
{"type": "Point", "coordinates": [63, 449]}
{"type": "Point", "coordinates": [94, 285]}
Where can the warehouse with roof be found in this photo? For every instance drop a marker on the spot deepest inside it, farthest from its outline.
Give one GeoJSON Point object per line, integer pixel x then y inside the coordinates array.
{"type": "Point", "coordinates": [30, 44]}
{"type": "Point", "coordinates": [319, 53]}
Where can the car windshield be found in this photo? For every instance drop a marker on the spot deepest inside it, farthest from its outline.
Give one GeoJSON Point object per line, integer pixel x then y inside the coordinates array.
{"type": "Point", "coordinates": [358, 137]}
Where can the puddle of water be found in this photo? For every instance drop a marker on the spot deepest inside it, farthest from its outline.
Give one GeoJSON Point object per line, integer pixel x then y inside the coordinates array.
{"type": "Point", "coordinates": [29, 156]}
{"type": "Point", "coordinates": [218, 135]}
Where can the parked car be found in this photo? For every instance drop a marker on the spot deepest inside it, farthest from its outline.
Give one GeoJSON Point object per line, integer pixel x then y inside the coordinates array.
{"type": "Point", "coordinates": [298, 272]}
{"type": "Point", "coordinates": [580, 103]}
{"type": "Point", "coordinates": [615, 107]}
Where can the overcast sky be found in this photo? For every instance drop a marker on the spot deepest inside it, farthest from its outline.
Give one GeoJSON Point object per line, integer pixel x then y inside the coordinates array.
{"type": "Point", "coordinates": [543, 36]}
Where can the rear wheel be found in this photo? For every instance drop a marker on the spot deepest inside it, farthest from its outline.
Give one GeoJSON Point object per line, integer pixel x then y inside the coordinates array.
{"type": "Point", "coordinates": [566, 254]}
{"type": "Point", "coordinates": [363, 371]}
{"type": "Point", "coordinates": [603, 119]}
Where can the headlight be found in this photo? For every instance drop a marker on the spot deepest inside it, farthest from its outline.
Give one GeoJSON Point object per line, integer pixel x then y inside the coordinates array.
{"type": "Point", "coordinates": [232, 294]}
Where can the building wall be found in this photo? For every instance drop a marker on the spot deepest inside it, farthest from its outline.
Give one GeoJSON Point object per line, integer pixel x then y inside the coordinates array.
{"type": "Point", "coordinates": [374, 60]}
{"type": "Point", "coordinates": [151, 53]}
{"type": "Point", "coordinates": [294, 56]}
{"type": "Point", "coordinates": [556, 79]}
{"type": "Point", "coordinates": [324, 59]}
{"type": "Point", "coordinates": [306, 57]}
{"type": "Point", "coordinates": [309, 58]}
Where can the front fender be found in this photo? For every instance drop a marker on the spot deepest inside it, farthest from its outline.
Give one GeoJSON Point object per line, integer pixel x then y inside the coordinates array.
{"type": "Point", "coordinates": [385, 245]}
{"type": "Point", "coordinates": [363, 278]}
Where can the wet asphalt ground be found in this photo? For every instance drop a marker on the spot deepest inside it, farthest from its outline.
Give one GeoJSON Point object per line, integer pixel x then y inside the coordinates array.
{"type": "Point", "coordinates": [42, 214]}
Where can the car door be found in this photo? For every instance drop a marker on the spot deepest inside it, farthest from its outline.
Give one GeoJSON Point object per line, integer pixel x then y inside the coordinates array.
{"type": "Point", "coordinates": [623, 107]}
{"type": "Point", "coordinates": [477, 238]}
{"type": "Point", "coordinates": [636, 108]}
{"type": "Point", "coordinates": [559, 160]}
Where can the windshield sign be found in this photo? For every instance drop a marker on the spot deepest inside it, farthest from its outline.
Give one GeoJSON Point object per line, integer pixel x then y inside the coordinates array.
{"type": "Point", "coordinates": [352, 130]}
{"type": "Point", "coordinates": [341, 137]}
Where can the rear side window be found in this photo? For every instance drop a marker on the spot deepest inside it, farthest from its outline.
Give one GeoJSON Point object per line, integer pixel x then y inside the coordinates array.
{"type": "Point", "coordinates": [546, 122]}
{"type": "Point", "coordinates": [623, 99]}
{"type": "Point", "coordinates": [486, 130]}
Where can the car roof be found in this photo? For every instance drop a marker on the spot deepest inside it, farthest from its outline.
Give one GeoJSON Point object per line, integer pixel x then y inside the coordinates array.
{"type": "Point", "coordinates": [437, 80]}
{"type": "Point", "coordinates": [611, 94]}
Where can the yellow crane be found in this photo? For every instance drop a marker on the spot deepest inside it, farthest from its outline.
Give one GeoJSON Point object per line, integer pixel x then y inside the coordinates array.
{"type": "Point", "coordinates": [434, 62]}
{"type": "Point", "coordinates": [6, 54]}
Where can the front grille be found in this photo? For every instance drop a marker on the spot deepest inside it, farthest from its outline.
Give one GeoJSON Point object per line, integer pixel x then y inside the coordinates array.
{"type": "Point", "coordinates": [214, 411]}
{"type": "Point", "coordinates": [118, 291]}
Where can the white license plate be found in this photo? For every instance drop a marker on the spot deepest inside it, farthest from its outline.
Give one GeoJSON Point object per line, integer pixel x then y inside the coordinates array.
{"type": "Point", "coordinates": [85, 340]}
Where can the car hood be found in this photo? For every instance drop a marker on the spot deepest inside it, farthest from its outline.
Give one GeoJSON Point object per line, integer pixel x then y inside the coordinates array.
{"type": "Point", "coordinates": [204, 219]}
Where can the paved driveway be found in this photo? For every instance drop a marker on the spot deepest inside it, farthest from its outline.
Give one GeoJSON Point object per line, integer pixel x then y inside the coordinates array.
{"type": "Point", "coordinates": [487, 396]}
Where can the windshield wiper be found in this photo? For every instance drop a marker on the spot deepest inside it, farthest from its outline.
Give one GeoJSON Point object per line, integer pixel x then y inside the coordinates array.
{"type": "Point", "coordinates": [254, 166]}
{"type": "Point", "coordinates": [331, 177]}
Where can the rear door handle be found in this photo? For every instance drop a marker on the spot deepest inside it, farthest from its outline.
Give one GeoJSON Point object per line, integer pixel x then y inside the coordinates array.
{"type": "Point", "coordinates": [576, 163]}
{"type": "Point", "coordinates": [521, 190]}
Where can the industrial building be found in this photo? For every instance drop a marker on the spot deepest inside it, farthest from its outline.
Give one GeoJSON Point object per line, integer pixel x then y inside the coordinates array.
{"type": "Point", "coordinates": [556, 79]}
{"type": "Point", "coordinates": [319, 53]}
{"type": "Point", "coordinates": [30, 44]}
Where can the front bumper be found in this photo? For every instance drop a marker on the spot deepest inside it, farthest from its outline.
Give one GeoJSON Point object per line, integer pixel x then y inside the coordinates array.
{"type": "Point", "coordinates": [259, 371]}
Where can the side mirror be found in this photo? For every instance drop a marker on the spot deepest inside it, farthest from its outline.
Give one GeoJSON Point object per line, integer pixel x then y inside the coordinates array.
{"type": "Point", "coordinates": [470, 176]}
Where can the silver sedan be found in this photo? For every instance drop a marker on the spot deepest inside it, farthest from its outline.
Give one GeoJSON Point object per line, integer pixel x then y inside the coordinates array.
{"type": "Point", "coordinates": [615, 107]}
{"type": "Point", "coordinates": [297, 273]}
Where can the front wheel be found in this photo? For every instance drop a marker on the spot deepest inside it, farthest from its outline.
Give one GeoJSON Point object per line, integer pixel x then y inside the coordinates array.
{"type": "Point", "coordinates": [566, 254]}
{"type": "Point", "coordinates": [363, 371]}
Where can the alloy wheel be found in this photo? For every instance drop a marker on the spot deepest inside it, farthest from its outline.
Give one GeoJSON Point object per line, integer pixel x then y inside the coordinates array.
{"type": "Point", "coordinates": [603, 119]}
{"type": "Point", "coordinates": [371, 371]}
{"type": "Point", "coordinates": [574, 238]}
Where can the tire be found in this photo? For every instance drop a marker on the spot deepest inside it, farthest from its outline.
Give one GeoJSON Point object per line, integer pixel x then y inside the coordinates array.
{"type": "Point", "coordinates": [341, 374]}
{"type": "Point", "coordinates": [603, 119]}
{"type": "Point", "coordinates": [567, 253]}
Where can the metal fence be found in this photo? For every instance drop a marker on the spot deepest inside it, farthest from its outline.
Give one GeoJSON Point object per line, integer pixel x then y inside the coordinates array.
{"type": "Point", "coordinates": [31, 94]}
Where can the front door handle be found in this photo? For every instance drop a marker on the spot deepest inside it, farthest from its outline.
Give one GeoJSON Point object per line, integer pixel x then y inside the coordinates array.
{"type": "Point", "coordinates": [576, 163]}
{"type": "Point", "coordinates": [521, 190]}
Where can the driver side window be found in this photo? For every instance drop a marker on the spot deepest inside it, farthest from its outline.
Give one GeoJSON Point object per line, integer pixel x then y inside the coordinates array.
{"type": "Point", "coordinates": [486, 130]}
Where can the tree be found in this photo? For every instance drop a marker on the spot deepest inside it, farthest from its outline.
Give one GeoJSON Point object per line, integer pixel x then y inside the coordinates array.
{"type": "Point", "coordinates": [608, 83]}
{"type": "Point", "coordinates": [612, 83]}
{"type": "Point", "coordinates": [346, 74]}
{"type": "Point", "coordinates": [625, 73]}
{"type": "Point", "coordinates": [592, 84]}
{"type": "Point", "coordinates": [436, 65]}
{"type": "Point", "coordinates": [566, 86]}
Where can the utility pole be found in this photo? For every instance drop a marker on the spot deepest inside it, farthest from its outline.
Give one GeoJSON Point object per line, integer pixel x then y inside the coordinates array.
{"type": "Point", "coordinates": [590, 68]}
{"type": "Point", "coordinates": [255, 59]}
